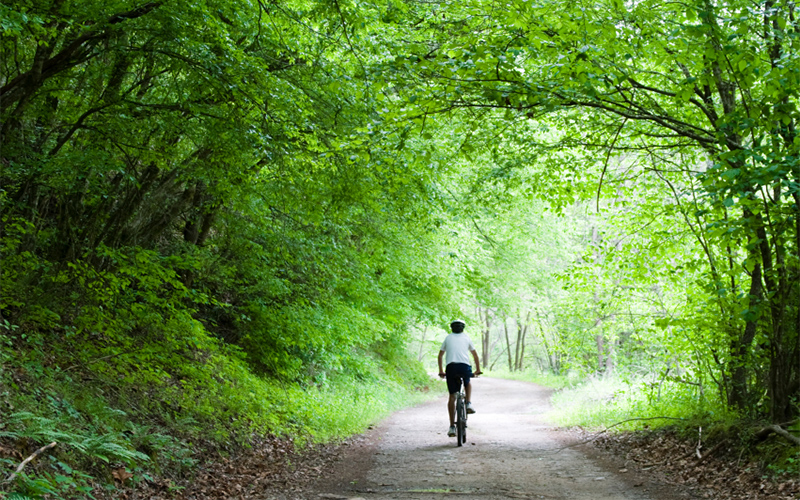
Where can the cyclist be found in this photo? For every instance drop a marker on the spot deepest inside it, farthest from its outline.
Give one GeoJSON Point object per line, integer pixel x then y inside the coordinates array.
{"type": "Point", "coordinates": [458, 346]}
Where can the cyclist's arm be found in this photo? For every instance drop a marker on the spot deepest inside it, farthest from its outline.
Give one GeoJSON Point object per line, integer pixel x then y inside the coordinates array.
{"type": "Point", "coordinates": [477, 362]}
{"type": "Point", "coordinates": [441, 371]}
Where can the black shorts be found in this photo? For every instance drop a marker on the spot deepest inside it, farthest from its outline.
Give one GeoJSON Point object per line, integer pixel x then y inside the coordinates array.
{"type": "Point", "coordinates": [455, 372]}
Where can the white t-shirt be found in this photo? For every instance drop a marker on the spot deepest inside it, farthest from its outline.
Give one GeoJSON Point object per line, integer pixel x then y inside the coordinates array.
{"type": "Point", "coordinates": [457, 348]}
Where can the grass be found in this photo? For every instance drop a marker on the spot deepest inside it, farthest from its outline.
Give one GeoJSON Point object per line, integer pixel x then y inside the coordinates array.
{"type": "Point", "coordinates": [346, 407]}
{"type": "Point", "coordinates": [598, 403]}
{"type": "Point", "coordinates": [605, 402]}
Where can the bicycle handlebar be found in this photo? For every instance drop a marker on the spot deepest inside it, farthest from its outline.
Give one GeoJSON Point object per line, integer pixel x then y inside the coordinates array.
{"type": "Point", "coordinates": [476, 374]}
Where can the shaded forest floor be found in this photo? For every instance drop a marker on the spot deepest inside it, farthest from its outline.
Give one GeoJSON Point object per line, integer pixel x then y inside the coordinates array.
{"type": "Point", "coordinates": [274, 469]}
{"type": "Point", "coordinates": [659, 460]}
{"type": "Point", "coordinates": [721, 473]}
{"type": "Point", "coordinates": [505, 440]}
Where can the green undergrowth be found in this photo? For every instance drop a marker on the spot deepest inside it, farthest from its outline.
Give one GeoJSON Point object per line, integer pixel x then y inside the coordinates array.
{"type": "Point", "coordinates": [615, 405]}
{"type": "Point", "coordinates": [599, 403]}
{"type": "Point", "coordinates": [633, 404]}
{"type": "Point", "coordinates": [140, 416]}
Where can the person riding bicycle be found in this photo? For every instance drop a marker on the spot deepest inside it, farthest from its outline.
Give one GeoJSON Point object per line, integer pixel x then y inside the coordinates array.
{"type": "Point", "coordinates": [458, 346]}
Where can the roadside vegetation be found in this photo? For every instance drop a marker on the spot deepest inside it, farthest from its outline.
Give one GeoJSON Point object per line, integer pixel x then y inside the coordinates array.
{"type": "Point", "coordinates": [118, 424]}
{"type": "Point", "coordinates": [706, 448]}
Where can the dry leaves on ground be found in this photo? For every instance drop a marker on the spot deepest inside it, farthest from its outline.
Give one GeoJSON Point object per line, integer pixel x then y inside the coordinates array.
{"type": "Point", "coordinates": [272, 468]}
{"type": "Point", "coordinates": [719, 474]}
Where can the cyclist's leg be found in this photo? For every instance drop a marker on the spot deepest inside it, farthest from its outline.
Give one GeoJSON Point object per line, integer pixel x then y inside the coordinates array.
{"type": "Point", "coordinates": [451, 408]}
{"type": "Point", "coordinates": [453, 387]}
{"type": "Point", "coordinates": [468, 391]}
{"type": "Point", "coordinates": [467, 375]}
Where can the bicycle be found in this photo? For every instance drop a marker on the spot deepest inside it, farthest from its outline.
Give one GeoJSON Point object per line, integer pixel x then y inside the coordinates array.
{"type": "Point", "coordinates": [461, 414]}
{"type": "Point", "coordinates": [460, 407]}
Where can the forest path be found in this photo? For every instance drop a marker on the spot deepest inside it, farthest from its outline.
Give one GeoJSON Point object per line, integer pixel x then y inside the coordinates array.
{"type": "Point", "coordinates": [512, 452]}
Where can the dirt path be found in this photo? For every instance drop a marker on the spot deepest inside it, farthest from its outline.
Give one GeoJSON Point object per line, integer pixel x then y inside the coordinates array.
{"type": "Point", "coordinates": [512, 452]}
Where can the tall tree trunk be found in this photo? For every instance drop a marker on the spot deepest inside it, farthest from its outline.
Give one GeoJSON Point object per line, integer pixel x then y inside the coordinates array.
{"type": "Point", "coordinates": [610, 352]}
{"type": "Point", "coordinates": [422, 343]}
{"type": "Point", "coordinates": [486, 322]}
{"type": "Point", "coordinates": [508, 343]}
{"type": "Point", "coordinates": [486, 339]}
{"type": "Point", "coordinates": [740, 348]}
{"type": "Point", "coordinates": [518, 343]}
{"type": "Point", "coordinates": [551, 361]}
{"type": "Point", "coordinates": [522, 332]}
{"type": "Point", "coordinates": [601, 351]}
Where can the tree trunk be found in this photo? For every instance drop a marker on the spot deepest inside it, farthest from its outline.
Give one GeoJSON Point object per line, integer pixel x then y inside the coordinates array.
{"type": "Point", "coordinates": [740, 348]}
{"type": "Point", "coordinates": [487, 339]}
{"type": "Point", "coordinates": [422, 343]}
{"type": "Point", "coordinates": [601, 351]}
{"type": "Point", "coordinates": [522, 329]}
{"type": "Point", "coordinates": [522, 349]}
{"type": "Point", "coordinates": [486, 323]}
{"type": "Point", "coordinates": [508, 343]}
{"type": "Point", "coordinates": [518, 343]}
{"type": "Point", "coordinates": [550, 359]}
{"type": "Point", "coordinates": [610, 350]}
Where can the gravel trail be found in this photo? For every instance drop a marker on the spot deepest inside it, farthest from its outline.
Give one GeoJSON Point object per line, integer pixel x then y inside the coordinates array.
{"type": "Point", "coordinates": [512, 452]}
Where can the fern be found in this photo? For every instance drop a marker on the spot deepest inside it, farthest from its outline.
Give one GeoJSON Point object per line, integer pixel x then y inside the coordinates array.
{"type": "Point", "coordinates": [106, 447]}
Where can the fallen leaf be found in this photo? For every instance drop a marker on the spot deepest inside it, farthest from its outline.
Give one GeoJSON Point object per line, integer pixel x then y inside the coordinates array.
{"type": "Point", "coordinates": [121, 474]}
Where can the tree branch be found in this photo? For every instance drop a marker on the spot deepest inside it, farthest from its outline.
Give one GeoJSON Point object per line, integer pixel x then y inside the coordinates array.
{"type": "Point", "coordinates": [777, 429]}
{"type": "Point", "coordinates": [25, 462]}
{"type": "Point", "coordinates": [615, 425]}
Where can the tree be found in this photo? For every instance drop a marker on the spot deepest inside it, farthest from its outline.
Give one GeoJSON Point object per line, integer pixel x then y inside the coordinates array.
{"type": "Point", "coordinates": [710, 88]}
{"type": "Point", "coordinates": [218, 162]}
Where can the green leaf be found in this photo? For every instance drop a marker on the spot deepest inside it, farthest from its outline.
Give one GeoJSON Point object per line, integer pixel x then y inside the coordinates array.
{"type": "Point", "coordinates": [743, 65]}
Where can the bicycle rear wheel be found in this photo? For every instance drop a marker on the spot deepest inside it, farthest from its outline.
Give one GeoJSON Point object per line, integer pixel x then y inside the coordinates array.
{"type": "Point", "coordinates": [461, 422]}
{"type": "Point", "coordinates": [458, 421]}
{"type": "Point", "coordinates": [464, 425]}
